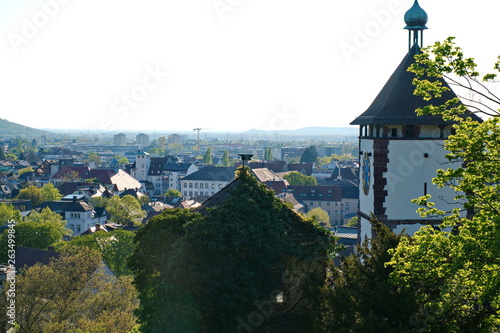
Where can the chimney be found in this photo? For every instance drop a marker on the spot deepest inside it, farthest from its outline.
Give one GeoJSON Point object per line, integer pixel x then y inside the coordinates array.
{"type": "Point", "coordinates": [74, 199]}
{"type": "Point", "coordinates": [97, 226]}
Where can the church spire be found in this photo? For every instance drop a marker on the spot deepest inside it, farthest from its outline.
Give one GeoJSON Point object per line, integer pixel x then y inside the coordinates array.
{"type": "Point", "coordinates": [415, 19]}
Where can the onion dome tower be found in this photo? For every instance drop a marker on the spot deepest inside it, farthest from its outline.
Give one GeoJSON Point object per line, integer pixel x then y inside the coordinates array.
{"type": "Point", "coordinates": [399, 150]}
{"type": "Point", "coordinates": [416, 19]}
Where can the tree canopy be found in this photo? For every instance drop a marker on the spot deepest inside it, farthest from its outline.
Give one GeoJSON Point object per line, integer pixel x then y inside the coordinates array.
{"type": "Point", "coordinates": [210, 272]}
{"type": "Point", "coordinates": [32, 193]}
{"type": "Point", "coordinates": [297, 178]}
{"type": "Point", "coordinates": [226, 162]}
{"type": "Point", "coordinates": [124, 210]}
{"type": "Point", "coordinates": [115, 248]}
{"type": "Point", "coordinates": [361, 296]}
{"type": "Point", "coordinates": [171, 193]}
{"type": "Point", "coordinates": [207, 158]}
{"type": "Point", "coordinates": [73, 294]}
{"type": "Point", "coordinates": [309, 155]}
{"type": "Point", "coordinates": [455, 269]}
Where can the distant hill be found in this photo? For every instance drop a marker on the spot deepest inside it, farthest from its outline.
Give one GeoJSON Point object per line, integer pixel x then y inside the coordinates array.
{"type": "Point", "coordinates": [310, 131]}
{"type": "Point", "coordinates": [9, 129]}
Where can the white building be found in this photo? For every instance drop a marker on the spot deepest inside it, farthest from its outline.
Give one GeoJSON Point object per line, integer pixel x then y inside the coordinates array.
{"type": "Point", "coordinates": [400, 151]}
{"type": "Point", "coordinates": [206, 181]}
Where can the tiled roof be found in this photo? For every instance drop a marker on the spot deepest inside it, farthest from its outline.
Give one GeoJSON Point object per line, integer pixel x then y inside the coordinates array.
{"type": "Point", "coordinates": [83, 172]}
{"type": "Point", "coordinates": [210, 173]}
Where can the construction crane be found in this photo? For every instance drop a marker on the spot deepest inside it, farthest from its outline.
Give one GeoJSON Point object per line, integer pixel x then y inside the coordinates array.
{"type": "Point", "coordinates": [198, 129]}
{"type": "Point", "coordinates": [198, 139]}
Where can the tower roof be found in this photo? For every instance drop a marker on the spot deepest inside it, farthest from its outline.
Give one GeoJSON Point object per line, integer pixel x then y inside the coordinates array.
{"type": "Point", "coordinates": [416, 17]}
{"type": "Point", "coordinates": [396, 103]}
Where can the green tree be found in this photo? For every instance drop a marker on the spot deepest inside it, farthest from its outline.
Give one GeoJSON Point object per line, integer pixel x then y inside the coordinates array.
{"type": "Point", "coordinates": [121, 160]}
{"type": "Point", "coordinates": [33, 234]}
{"type": "Point", "coordinates": [455, 269]}
{"type": "Point", "coordinates": [115, 248]}
{"type": "Point", "coordinates": [361, 297]}
{"type": "Point", "coordinates": [47, 216]}
{"type": "Point", "coordinates": [175, 148]}
{"type": "Point", "coordinates": [309, 155]}
{"type": "Point", "coordinates": [156, 151]}
{"type": "Point", "coordinates": [171, 193]}
{"type": "Point", "coordinates": [24, 170]}
{"type": "Point", "coordinates": [319, 215]}
{"type": "Point", "coordinates": [124, 210]}
{"type": "Point", "coordinates": [296, 178]}
{"type": "Point", "coordinates": [50, 193]}
{"type": "Point", "coordinates": [32, 193]}
{"type": "Point", "coordinates": [206, 272]}
{"type": "Point", "coordinates": [9, 213]}
{"type": "Point", "coordinates": [353, 222]}
{"type": "Point", "coordinates": [73, 294]}
{"type": "Point", "coordinates": [226, 162]}
{"type": "Point", "coordinates": [93, 158]}
{"type": "Point", "coordinates": [268, 154]}
{"type": "Point", "coordinates": [207, 158]}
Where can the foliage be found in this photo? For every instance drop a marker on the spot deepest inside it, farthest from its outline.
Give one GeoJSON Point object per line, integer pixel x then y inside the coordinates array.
{"type": "Point", "coordinates": [320, 161]}
{"type": "Point", "coordinates": [353, 222]}
{"type": "Point", "coordinates": [268, 154]}
{"type": "Point", "coordinates": [456, 268]}
{"type": "Point", "coordinates": [309, 155]}
{"type": "Point", "coordinates": [361, 297]}
{"type": "Point", "coordinates": [47, 216]}
{"type": "Point", "coordinates": [24, 170]}
{"type": "Point", "coordinates": [73, 294]}
{"type": "Point", "coordinates": [8, 213]}
{"type": "Point", "coordinates": [115, 248]}
{"type": "Point", "coordinates": [121, 160]}
{"type": "Point", "coordinates": [171, 193]}
{"type": "Point", "coordinates": [32, 193]}
{"type": "Point", "coordinates": [298, 179]}
{"type": "Point", "coordinates": [175, 148]}
{"type": "Point", "coordinates": [124, 210]}
{"type": "Point", "coordinates": [93, 158]}
{"type": "Point", "coordinates": [226, 162]}
{"type": "Point", "coordinates": [99, 201]}
{"type": "Point", "coordinates": [156, 151]}
{"type": "Point", "coordinates": [50, 193]}
{"type": "Point", "coordinates": [33, 234]}
{"type": "Point", "coordinates": [319, 215]}
{"type": "Point", "coordinates": [206, 272]}
{"type": "Point", "coordinates": [207, 158]}
{"type": "Point", "coordinates": [71, 176]}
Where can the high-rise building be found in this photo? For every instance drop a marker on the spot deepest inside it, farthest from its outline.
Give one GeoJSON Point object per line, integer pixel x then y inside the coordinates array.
{"type": "Point", "coordinates": [142, 139]}
{"type": "Point", "coordinates": [120, 139]}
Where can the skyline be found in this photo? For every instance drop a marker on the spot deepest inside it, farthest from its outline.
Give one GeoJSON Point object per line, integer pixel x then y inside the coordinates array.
{"type": "Point", "coordinates": [222, 65]}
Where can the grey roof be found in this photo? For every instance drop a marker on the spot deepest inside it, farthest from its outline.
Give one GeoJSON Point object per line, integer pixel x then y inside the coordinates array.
{"type": "Point", "coordinates": [66, 206]}
{"type": "Point", "coordinates": [213, 174]}
{"type": "Point", "coordinates": [396, 103]}
{"type": "Point", "coordinates": [27, 256]}
{"type": "Point", "coordinates": [176, 167]}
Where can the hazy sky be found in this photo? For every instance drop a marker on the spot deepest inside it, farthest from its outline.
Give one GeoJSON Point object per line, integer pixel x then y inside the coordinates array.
{"type": "Point", "coordinates": [214, 64]}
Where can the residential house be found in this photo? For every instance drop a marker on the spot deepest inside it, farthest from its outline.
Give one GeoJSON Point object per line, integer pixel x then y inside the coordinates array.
{"type": "Point", "coordinates": [79, 214]}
